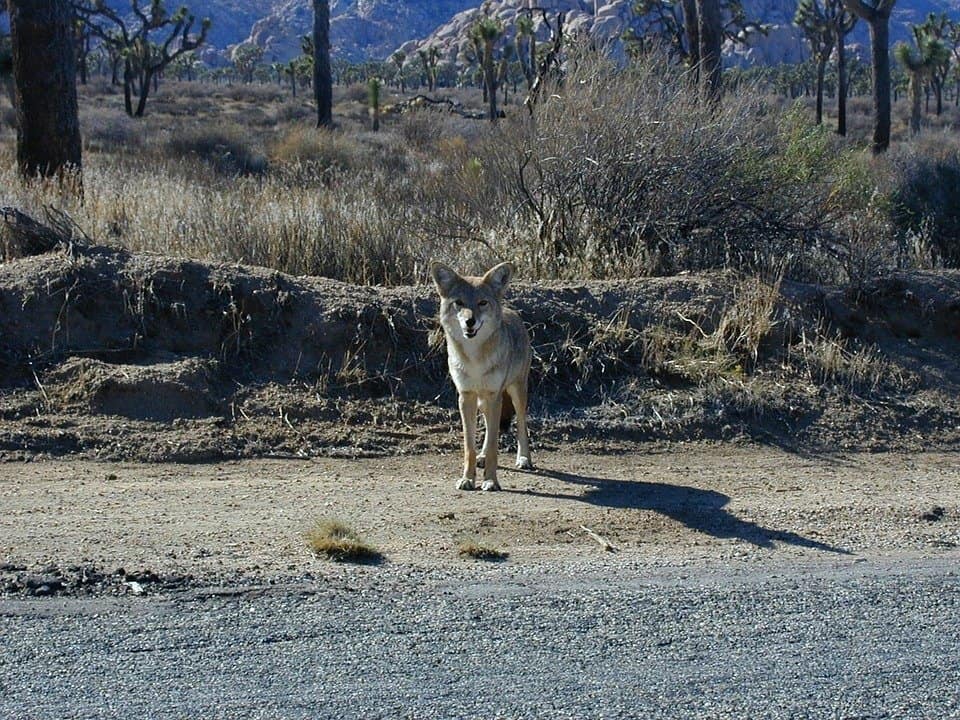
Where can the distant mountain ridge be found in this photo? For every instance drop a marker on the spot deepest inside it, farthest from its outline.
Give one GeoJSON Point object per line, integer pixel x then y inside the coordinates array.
{"type": "Point", "coordinates": [373, 29]}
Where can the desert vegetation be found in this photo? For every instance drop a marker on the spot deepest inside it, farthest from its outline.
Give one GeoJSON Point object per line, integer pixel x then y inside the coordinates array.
{"type": "Point", "coordinates": [621, 172]}
{"type": "Point", "coordinates": [336, 540]}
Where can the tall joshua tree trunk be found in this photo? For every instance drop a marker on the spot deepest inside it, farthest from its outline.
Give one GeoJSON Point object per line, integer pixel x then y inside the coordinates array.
{"type": "Point", "coordinates": [44, 75]}
{"type": "Point", "coordinates": [841, 88]}
{"type": "Point", "coordinates": [821, 72]}
{"type": "Point", "coordinates": [490, 80]}
{"type": "Point", "coordinates": [877, 15]}
{"type": "Point", "coordinates": [709, 25]}
{"type": "Point", "coordinates": [880, 58]}
{"type": "Point", "coordinates": [322, 82]}
{"type": "Point", "coordinates": [691, 32]}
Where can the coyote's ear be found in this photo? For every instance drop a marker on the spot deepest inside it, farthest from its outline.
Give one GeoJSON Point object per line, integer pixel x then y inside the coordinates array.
{"type": "Point", "coordinates": [498, 277]}
{"type": "Point", "coordinates": [443, 277]}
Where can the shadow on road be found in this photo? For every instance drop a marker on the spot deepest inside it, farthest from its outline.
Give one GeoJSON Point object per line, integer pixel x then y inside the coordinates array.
{"type": "Point", "coordinates": [701, 510]}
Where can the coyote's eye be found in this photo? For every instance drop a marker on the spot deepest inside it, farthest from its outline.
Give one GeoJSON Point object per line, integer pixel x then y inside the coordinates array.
{"type": "Point", "coordinates": [458, 303]}
{"type": "Point", "coordinates": [483, 303]}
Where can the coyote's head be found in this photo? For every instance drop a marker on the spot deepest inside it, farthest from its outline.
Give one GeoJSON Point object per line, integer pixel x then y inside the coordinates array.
{"type": "Point", "coordinates": [471, 307]}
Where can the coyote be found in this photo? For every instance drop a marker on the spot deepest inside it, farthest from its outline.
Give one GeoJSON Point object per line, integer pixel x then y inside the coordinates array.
{"type": "Point", "coordinates": [488, 352]}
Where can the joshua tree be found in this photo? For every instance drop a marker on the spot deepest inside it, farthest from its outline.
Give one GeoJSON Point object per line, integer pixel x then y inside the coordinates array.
{"type": "Point", "coordinates": [920, 62]}
{"type": "Point", "coordinates": [322, 82]}
{"type": "Point", "coordinates": [373, 98]}
{"type": "Point", "coordinates": [938, 27]}
{"type": "Point", "coordinates": [82, 35]}
{"type": "Point", "coordinates": [143, 59]}
{"type": "Point", "coordinates": [185, 65]}
{"type": "Point", "coordinates": [826, 25]}
{"type": "Point", "coordinates": [430, 58]}
{"type": "Point", "coordinates": [844, 23]}
{"type": "Point", "coordinates": [486, 32]}
{"type": "Point", "coordinates": [45, 88]}
{"type": "Point", "coordinates": [399, 58]}
{"type": "Point", "coordinates": [527, 34]}
{"type": "Point", "coordinates": [676, 25]}
{"type": "Point", "coordinates": [710, 29]}
{"type": "Point", "coordinates": [820, 32]}
{"type": "Point", "coordinates": [6, 61]}
{"type": "Point", "coordinates": [245, 58]}
{"type": "Point", "coordinates": [877, 15]}
{"type": "Point", "coordinates": [291, 69]}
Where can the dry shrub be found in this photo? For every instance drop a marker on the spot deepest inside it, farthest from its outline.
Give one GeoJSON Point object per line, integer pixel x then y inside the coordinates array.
{"type": "Point", "coordinates": [255, 93]}
{"type": "Point", "coordinates": [474, 550]}
{"type": "Point", "coordinates": [337, 541]}
{"type": "Point", "coordinates": [625, 171]}
{"type": "Point", "coordinates": [292, 111]}
{"type": "Point", "coordinates": [110, 131]}
{"type": "Point", "coordinates": [225, 147]}
{"type": "Point", "coordinates": [418, 129]}
{"type": "Point", "coordinates": [926, 198]}
{"type": "Point", "coordinates": [726, 348]}
{"type": "Point", "coordinates": [829, 359]}
{"type": "Point", "coordinates": [317, 148]}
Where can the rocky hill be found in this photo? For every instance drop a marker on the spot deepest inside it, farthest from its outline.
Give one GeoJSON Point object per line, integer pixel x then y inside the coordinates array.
{"type": "Point", "coordinates": [606, 20]}
{"type": "Point", "coordinates": [373, 29]}
{"type": "Point", "coordinates": [359, 29]}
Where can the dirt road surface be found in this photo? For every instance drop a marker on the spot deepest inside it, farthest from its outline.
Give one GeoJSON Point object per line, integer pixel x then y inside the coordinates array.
{"type": "Point", "coordinates": [677, 504]}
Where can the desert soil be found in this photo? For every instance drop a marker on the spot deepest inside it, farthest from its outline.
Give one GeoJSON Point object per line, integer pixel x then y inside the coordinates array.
{"type": "Point", "coordinates": [87, 526]}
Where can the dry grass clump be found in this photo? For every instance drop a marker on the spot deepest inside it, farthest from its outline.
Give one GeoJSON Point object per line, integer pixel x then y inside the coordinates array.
{"type": "Point", "coordinates": [317, 148]}
{"type": "Point", "coordinates": [337, 541]}
{"type": "Point", "coordinates": [926, 195]}
{"type": "Point", "coordinates": [726, 351]}
{"type": "Point", "coordinates": [829, 360]}
{"type": "Point", "coordinates": [175, 208]}
{"type": "Point", "coordinates": [224, 147]}
{"type": "Point", "coordinates": [474, 550]}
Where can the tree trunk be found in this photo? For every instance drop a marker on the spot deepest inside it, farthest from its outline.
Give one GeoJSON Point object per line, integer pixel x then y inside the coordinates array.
{"type": "Point", "coordinates": [533, 60]}
{"type": "Point", "coordinates": [82, 59]}
{"type": "Point", "coordinates": [145, 78]}
{"type": "Point", "coordinates": [880, 56]}
{"type": "Point", "coordinates": [821, 71]}
{"type": "Point", "coordinates": [691, 32]}
{"type": "Point", "coordinates": [322, 83]}
{"type": "Point", "coordinates": [841, 88]}
{"type": "Point", "coordinates": [916, 94]}
{"type": "Point", "coordinates": [710, 28]}
{"type": "Point", "coordinates": [489, 80]}
{"type": "Point", "coordinates": [128, 88]}
{"type": "Point", "coordinates": [45, 86]}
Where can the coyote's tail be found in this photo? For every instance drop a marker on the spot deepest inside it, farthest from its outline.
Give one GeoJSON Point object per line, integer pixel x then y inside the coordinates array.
{"type": "Point", "coordinates": [507, 411]}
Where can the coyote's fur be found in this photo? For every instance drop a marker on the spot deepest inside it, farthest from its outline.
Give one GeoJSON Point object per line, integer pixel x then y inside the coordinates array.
{"type": "Point", "coordinates": [488, 352]}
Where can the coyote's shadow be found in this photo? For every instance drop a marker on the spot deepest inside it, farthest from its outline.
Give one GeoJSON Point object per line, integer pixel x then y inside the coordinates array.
{"type": "Point", "coordinates": [701, 510]}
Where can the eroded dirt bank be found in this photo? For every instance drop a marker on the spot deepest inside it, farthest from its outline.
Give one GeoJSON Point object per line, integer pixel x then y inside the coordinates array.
{"type": "Point", "coordinates": [116, 356]}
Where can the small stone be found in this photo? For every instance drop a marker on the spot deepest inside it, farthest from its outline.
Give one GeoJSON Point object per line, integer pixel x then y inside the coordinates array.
{"type": "Point", "coordinates": [934, 514]}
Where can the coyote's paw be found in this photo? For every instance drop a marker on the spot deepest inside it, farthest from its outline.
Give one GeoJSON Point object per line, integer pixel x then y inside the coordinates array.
{"type": "Point", "coordinates": [490, 485]}
{"type": "Point", "coordinates": [465, 484]}
{"type": "Point", "coordinates": [524, 463]}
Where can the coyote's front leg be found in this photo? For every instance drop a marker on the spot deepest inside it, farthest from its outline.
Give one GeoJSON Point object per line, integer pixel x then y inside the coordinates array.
{"type": "Point", "coordinates": [468, 417]}
{"type": "Point", "coordinates": [491, 405]}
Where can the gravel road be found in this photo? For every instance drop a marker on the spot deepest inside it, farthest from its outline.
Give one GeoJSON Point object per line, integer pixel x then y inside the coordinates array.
{"type": "Point", "coordinates": [827, 637]}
